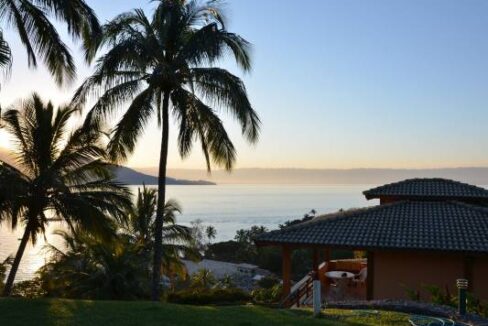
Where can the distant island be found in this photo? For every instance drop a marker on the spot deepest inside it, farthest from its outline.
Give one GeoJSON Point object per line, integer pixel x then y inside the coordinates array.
{"type": "Point", "coordinates": [132, 177]}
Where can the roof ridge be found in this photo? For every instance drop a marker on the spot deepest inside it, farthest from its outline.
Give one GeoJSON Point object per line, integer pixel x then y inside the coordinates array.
{"type": "Point", "coordinates": [398, 186]}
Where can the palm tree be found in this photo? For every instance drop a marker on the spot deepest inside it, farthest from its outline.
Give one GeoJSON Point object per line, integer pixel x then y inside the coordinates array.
{"type": "Point", "coordinates": [203, 279]}
{"type": "Point", "coordinates": [58, 176]}
{"type": "Point", "coordinates": [39, 37]}
{"type": "Point", "coordinates": [167, 62]}
{"type": "Point", "coordinates": [90, 268]}
{"type": "Point", "coordinates": [178, 240]}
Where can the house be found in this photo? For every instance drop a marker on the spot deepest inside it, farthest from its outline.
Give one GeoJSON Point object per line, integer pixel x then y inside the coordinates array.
{"type": "Point", "coordinates": [423, 232]}
{"type": "Point", "coordinates": [244, 275]}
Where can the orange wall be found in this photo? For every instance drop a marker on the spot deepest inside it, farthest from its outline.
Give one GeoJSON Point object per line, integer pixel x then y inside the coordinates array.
{"type": "Point", "coordinates": [395, 271]}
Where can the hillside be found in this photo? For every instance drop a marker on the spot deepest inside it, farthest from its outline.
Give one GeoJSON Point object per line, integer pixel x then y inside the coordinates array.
{"type": "Point", "coordinates": [132, 177]}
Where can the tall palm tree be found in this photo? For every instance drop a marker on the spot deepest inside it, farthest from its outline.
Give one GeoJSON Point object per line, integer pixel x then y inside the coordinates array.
{"type": "Point", "coordinates": [58, 176]}
{"type": "Point", "coordinates": [178, 240]}
{"type": "Point", "coordinates": [166, 64]}
{"type": "Point", "coordinates": [30, 19]}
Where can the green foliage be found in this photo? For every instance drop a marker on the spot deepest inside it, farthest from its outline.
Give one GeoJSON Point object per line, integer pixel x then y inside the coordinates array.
{"type": "Point", "coordinates": [412, 294]}
{"type": "Point", "coordinates": [226, 282]}
{"type": "Point", "coordinates": [268, 282]}
{"type": "Point", "coordinates": [439, 296]}
{"type": "Point", "coordinates": [30, 19]}
{"type": "Point", "coordinates": [203, 279]}
{"type": "Point", "coordinates": [165, 66]}
{"type": "Point", "coordinates": [169, 59]}
{"type": "Point", "coordinates": [58, 174]}
{"type": "Point", "coordinates": [475, 305]}
{"type": "Point", "coordinates": [268, 295]}
{"type": "Point", "coordinates": [210, 296]}
{"type": "Point", "coordinates": [29, 289]}
{"type": "Point", "coordinates": [94, 269]}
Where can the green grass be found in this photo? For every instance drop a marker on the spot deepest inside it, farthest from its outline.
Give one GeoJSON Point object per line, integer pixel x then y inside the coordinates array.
{"type": "Point", "coordinates": [78, 312]}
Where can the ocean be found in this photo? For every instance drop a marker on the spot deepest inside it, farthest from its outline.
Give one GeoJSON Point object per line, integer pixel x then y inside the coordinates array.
{"type": "Point", "coordinates": [226, 207]}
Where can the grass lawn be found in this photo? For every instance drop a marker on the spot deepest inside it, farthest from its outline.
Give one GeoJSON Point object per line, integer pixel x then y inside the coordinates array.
{"type": "Point", "coordinates": [78, 312]}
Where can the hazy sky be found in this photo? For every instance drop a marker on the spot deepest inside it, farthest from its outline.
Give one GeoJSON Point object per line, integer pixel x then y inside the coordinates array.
{"type": "Point", "coordinates": [338, 84]}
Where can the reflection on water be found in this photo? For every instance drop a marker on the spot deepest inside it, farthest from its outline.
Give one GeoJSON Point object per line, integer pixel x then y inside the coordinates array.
{"type": "Point", "coordinates": [226, 207]}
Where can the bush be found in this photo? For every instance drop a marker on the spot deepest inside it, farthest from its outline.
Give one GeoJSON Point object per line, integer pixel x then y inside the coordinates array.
{"type": "Point", "coordinates": [209, 296]}
{"type": "Point", "coordinates": [444, 297]}
{"type": "Point", "coordinates": [29, 289]}
{"type": "Point", "coordinates": [268, 282]}
{"type": "Point", "coordinates": [268, 295]}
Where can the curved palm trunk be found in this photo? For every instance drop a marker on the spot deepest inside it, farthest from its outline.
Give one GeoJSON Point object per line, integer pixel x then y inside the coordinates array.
{"type": "Point", "coordinates": [158, 226]}
{"type": "Point", "coordinates": [7, 290]}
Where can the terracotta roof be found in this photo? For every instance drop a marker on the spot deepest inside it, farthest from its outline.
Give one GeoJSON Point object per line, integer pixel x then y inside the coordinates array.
{"type": "Point", "coordinates": [412, 225]}
{"type": "Point", "coordinates": [433, 187]}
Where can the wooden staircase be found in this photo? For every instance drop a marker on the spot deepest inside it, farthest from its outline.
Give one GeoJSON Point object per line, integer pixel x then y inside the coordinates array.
{"type": "Point", "coordinates": [301, 294]}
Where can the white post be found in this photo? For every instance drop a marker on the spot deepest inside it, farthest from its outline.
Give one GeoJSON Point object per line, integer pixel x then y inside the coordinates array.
{"type": "Point", "coordinates": [316, 298]}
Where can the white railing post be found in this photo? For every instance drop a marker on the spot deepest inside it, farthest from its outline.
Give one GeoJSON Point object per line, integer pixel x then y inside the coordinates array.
{"type": "Point", "coordinates": [317, 301]}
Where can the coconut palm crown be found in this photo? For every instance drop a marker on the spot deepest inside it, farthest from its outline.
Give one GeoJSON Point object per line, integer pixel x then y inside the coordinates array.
{"type": "Point", "coordinates": [57, 176]}
{"type": "Point", "coordinates": [30, 20]}
{"type": "Point", "coordinates": [166, 65]}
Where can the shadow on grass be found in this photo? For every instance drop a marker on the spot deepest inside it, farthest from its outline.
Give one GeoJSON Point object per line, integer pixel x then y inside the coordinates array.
{"type": "Point", "coordinates": [79, 312]}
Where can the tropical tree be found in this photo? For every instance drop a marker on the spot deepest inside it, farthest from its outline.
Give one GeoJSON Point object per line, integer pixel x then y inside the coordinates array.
{"type": "Point", "coordinates": [90, 268]}
{"type": "Point", "coordinates": [177, 240]}
{"type": "Point", "coordinates": [30, 19]}
{"type": "Point", "coordinates": [3, 270]}
{"type": "Point", "coordinates": [166, 64]}
{"type": "Point", "coordinates": [203, 279]}
{"type": "Point", "coordinates": [57, 176]}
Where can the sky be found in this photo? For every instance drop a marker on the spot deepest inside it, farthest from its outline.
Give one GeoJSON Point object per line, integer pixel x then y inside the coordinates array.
{"type": "Point", "coordinates": [337, 83]}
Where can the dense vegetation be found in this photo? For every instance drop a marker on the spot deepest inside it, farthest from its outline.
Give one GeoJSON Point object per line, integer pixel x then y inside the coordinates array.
{"type": "Point", "coordinates": [58, 175]}
{"type": "Point", "coordinates": [30, 19]}
{"type": "Point", "coordinates": [162, 66]}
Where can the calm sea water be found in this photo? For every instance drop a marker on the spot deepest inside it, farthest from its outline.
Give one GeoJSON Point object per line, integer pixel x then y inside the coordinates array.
{"type": "Point", "coordinates": [226, 207]}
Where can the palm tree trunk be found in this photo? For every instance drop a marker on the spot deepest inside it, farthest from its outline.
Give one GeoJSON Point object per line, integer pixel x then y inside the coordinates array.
{"type": "Point", "coordinates": [7, 290]}
{"type": "Point", "coordinates": [158, 235]}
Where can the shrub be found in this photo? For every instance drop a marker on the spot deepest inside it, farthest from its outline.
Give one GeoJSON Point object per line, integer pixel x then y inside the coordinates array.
{"type": "Point", "coordinates": [268, 295]}
{"type": "Point", "coordinates": [268, 282]}
{"type": "Point", "coordinates": [29, 289]}
{"type": "Point", "coordinates": [437, 296]}
{"type": "Point", "coordinates": [210, 296]}
{"type": "Point", "coordinates": [445, 297]}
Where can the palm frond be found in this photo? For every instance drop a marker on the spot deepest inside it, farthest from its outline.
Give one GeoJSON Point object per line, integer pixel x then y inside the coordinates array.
{"type": "Point", "coordinates": [131, 125]}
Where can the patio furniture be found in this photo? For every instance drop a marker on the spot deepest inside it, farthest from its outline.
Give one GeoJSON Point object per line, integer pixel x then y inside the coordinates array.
{"type": "Point", "coordinates": [360, 278]}
{"type": "Point", "coordinates": [340, 281]}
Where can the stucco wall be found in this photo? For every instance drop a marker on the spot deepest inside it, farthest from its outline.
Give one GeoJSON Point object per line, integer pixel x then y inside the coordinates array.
{"type": "Point", "coordinates": [394, 272]}
{"type": "Point", "coordinates": [480, 278]}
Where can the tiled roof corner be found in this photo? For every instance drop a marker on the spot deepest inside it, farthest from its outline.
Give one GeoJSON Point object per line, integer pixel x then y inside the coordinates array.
{"type": "Point", "coordinates": [407, 225]}
{"type": "Point", "coordinates": [428, 188]}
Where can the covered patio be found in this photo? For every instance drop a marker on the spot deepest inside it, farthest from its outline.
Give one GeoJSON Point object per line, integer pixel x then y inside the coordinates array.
{"type": "Point", "coordinates": [340, 279]}
{"type": "Point", "coordinates": [424, 232]}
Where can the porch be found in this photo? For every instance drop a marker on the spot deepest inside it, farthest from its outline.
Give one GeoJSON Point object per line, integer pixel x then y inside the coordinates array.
{"type": "Point", "coordinates": [340, 279]}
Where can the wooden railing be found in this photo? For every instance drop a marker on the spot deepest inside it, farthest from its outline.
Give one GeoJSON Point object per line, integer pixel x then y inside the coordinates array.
{"type": "Point", "coordinates": [302, 291]}
{"type": "Point", "coordinates": [299, 294]}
